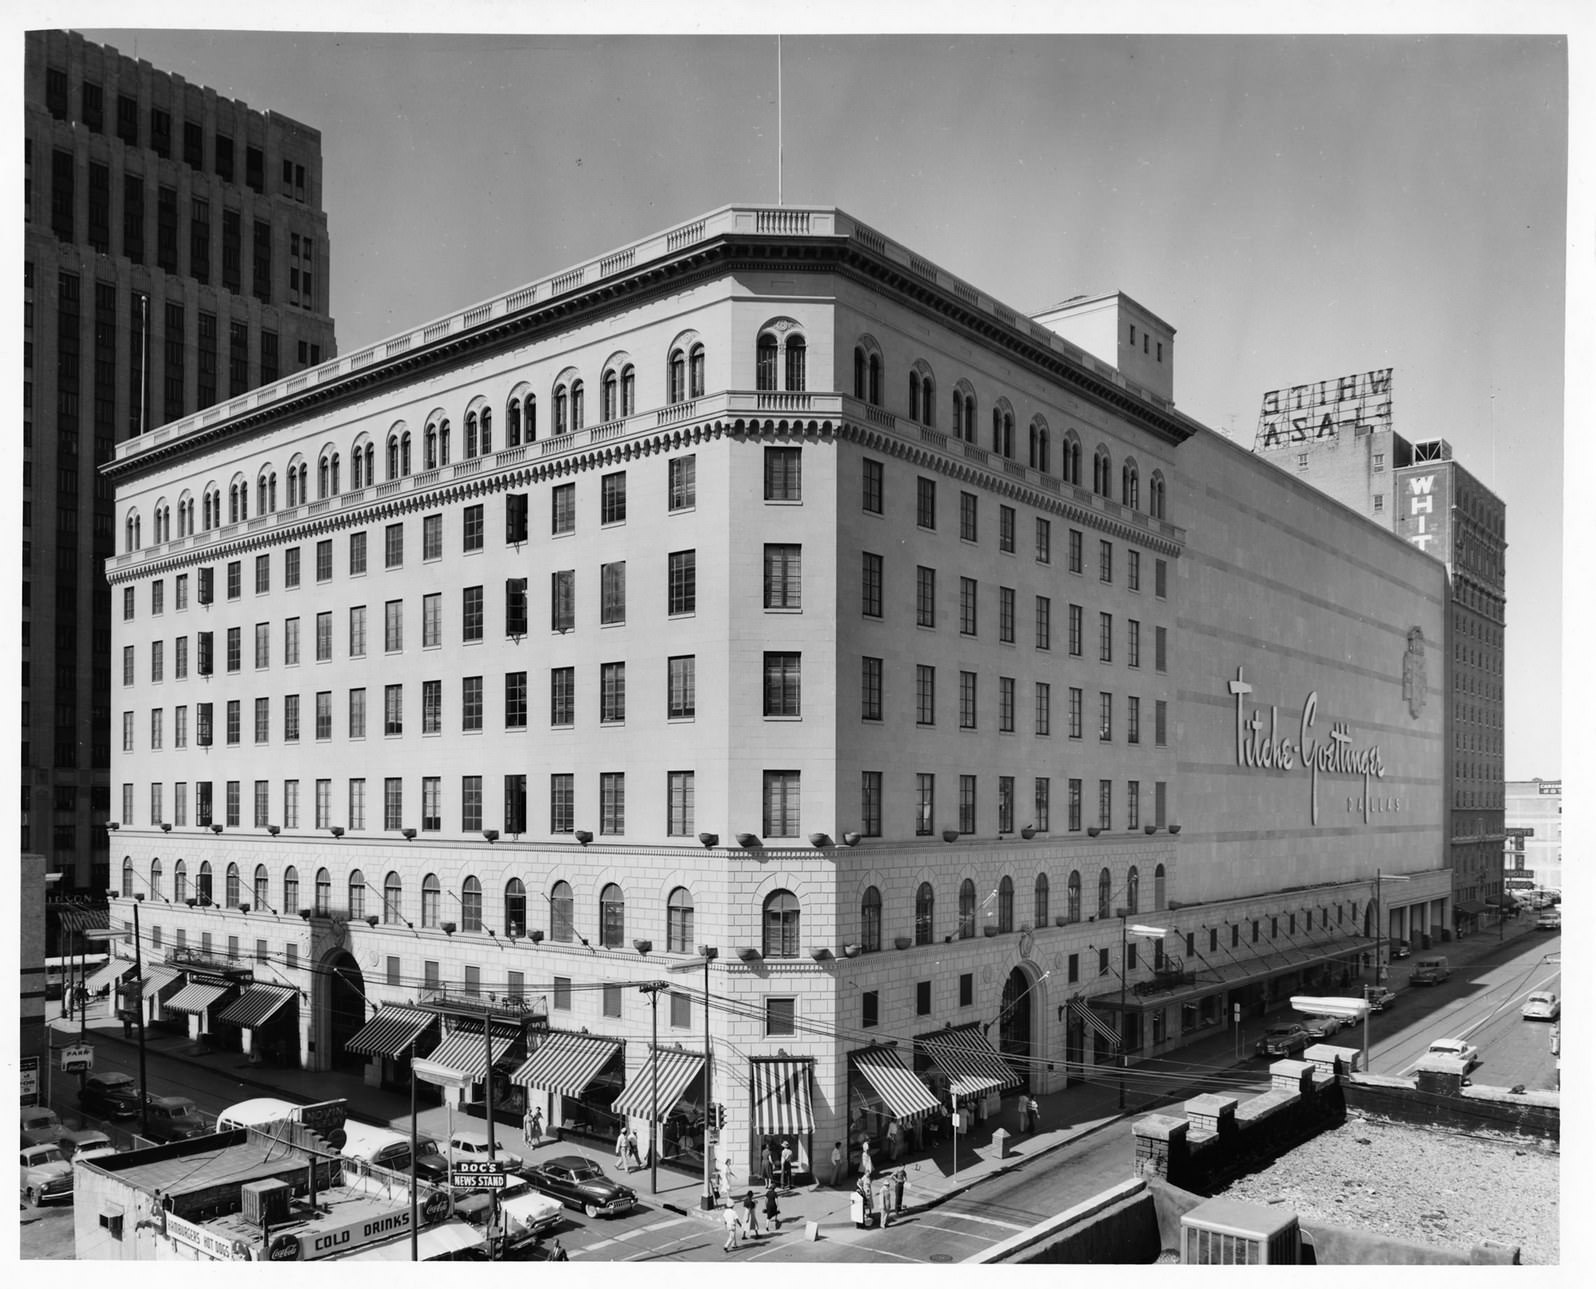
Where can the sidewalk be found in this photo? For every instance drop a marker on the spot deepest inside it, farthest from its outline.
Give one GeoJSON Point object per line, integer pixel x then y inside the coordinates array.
{"type": "Point", "coordinates": [1206, 1064]}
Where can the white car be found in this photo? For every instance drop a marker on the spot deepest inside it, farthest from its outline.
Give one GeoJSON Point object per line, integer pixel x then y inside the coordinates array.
{"type": "Point", "coordinates": [473, 1146]}
{"type": "Point", "coordinates": [1541, 1006]}
{"type": "Point", "coordinates": [1457, 1048]}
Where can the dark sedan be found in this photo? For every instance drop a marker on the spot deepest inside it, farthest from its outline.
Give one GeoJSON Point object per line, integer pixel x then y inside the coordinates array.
{"type": "Point", "coordinates": [1283, 1040]}
{"type": "Point", "coordinates": [580, 1183]}
{"type": "Point", "coordinates": [112, 1096]}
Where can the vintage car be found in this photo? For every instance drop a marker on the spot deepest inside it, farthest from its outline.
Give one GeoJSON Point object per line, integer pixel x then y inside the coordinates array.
{"type": "Point", "coordinates": [1541, 1006]}
{"type": "Point", "coordinates": [41, 1126]}
{"type": "Point", "coordinates": [472, 1147]}
{"type": "Point", "coordinates": [1457, 1048]}
{"type": "Point", "coordinates": [111, 1096]}
{"type": "Point", "coordinates": [1322, 1027]}
{"type": "Point", "coordinates": [46, 1175]}
{"type": "Point", "coordinates": [582, 1184]}
{"type": "Point", "coordinates": [173, 1119]}
{"type": "Point", "coordinates": [1400, 949]}
{"type": "Point", "coordinates": [1378, 997]}
{"type": "Point", "coordinates": [86, 1143]}
{"type": "Point", "coordinates": [1283, 1040]}
{"type": "Point", "coordinates": [1549, 921]}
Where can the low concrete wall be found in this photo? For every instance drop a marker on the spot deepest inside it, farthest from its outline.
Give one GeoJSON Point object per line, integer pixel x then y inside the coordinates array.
{"type": "Point", "coordinates": [1437, 1099]}
{"type": "Point", "coordinates": [1118, 1225]}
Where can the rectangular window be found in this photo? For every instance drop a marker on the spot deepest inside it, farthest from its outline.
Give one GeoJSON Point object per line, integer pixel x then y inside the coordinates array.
{"type": "Point", "coordinates": [158, 657]}
{"type": "Point", "coordinates": [1044, 541]}
{"type": "Point", "coordinates": [562, 808]}
{"type": "Point", "coordinates": [1006, 704]}
{"type": "Point", "coordinates": [1105, 717]}
{"type": "Point", "coordinates": [393, 804]}
{"type": "Point", "coordinates": [1133, 643]}
{"type": "Point", "coordinates": [967, 713]}
{"type": "Point", "coordinates": [1044, 708]}
{"type": "Point", "coordinates": [1006, 614]}
{"type": "Point", "coordinates": [1159, 793]}
{"type": "Point", "coordinates": [263, 645]}
{"type": "Point", "coordinates": [783, 576]}
{"type": "Point", "coordinates": [783, 474]}
{"type": "Point", "coordinates": [432, 707]}
{"type": "Point", "coordinates": [612, 592]}
{"type": "Point", "coordinates": [323, 637]}
{"type": "Point", "coordinates": [612, 804]}
{"type": "Point", "coordinates": [471, 613]}
{"type": "Point", "coordinates": [781, 804]}
{"type": "Point", "coordinates": [562, 696]}
{"type": "Point", "coordinates": [874, 485]}
{"type": "Point", "coordinates": [1105, 803]}
{"type": "Point", "coordinates": [235, 648]}
{"type": "Point", "coordinates": [471, 702]}
{"type": "Point", "coordinates": [1105, 561]}
{"type": "Point", "coordinates": [681, 677]}
{"type": "Point", "coordinates": [1075, 550]}
{"type": "Point", "coordinates": [1133, 805]}
{"type": "Point", "coordinates": [1075, 805]}
{"type": "Point", "coordinates": [870, 585]}
{"type": "Point", "coordinates": [235, 579]}
{"type": "Point", "coordinates": [291, 567]}
{"type": "Point", "coordinates": [471, 803]}
{"type": "Point", "coordinates": [925, 596]}
{"type": "Point", "coordinates": [562, 600]}
{"type": "Point", "coordinates": [393, 546]}
{"type": "Point", "coordinates": [683, 483]}
{"type": "Point", "coordinates": [612, 692]}
{"type": "Point", "coordinates": [562, 509]}
{"type": "Point", "coordinates": [324, 714]}
{"type": "Point", "coordinates": [870, 802]}
{"type": "Point", "coordinates": [431, 537]}
{"type": "Point", "coordinates": [925, 790]}
{"type": "Point", "coordinates": [967, 517]}
{"type": "Point", "coordinates": [1159, 638]}
{"type": "Point", "coordinates": [1160, 573]}
{"type": "Point", "coordinates": [472, 528]}
{"type": "Point", "coordinates": [1076, 630]}
{"type": "Point", "coordinates": [1044, 622]}
{"type": "Point", "coordinates": [290, 718]}
{"type": "Point", "coordinates": [393, 709]}
{"type": "Point", "coordinates": [431, 804]}
{"type": "Point", "coordinates": [263, 720]}
{"type": "Point", "coordinates": [783, 684]}
{"type": "Point", "coordinates": [679, 803]}
{"type": "Point", "coordinates": [1105, 637]}
{"type": "Point", "coordinates": [1133, 570]}
{"type": "Point", "coordinates": [682, 582]}
{"type": "Point", "coordinates": [323, 814]}
{"type": "Point", "coordinates": [1005, 803]}
{"type": "Point", "coordinates": [612, 498]}
{"type": "Point", "coordinates": [180, 660]}
{"type": "Point", "coordinates": [357, 713]}
{"type": "Point", "coordinates": [432, 620]}
{"type": "Point", "coordinates": [1160, 713]}
{"type": "Point", "coordinates": [1006, 529]}
{"type": "Point", "coordinates": [1075, 712]}
{"type": "Point", "coordinates": [967, 803]}
{"type": "Point", "coordinates": [263, 574]}
{"type": "Point", "coordinates": [925, 695]}
{"type": "Point", "coordinates": [925, 502]}
{"type": "Point", "coordinates": [780, 1017]}
{"type": "Point", "coordinates": [870, 690]}
{"type": "Point", "coordinates": [291, 642]}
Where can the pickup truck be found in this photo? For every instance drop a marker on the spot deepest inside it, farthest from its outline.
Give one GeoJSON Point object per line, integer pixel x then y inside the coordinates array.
{"type": "Point", "coordinates": [1431, 969]}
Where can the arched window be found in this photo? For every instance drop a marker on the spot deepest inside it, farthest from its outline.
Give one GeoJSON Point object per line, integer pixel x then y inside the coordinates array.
{"type": "Point", "coordinates": [870, 920]}
{"type": "Point", "coordinates": [1005, 909]}
{"type": "Point", "coordinates": [529, 419]}
{"type": "Point", "coordinates": [429, 446]}
{"type": "Point", "coordinates": [323, 892]}
{"type": "Point", "coordinates": [781, 925]}
{"type": "Point", "coordinates": [471, 905]}
{"type": "Point", "coordinates": [1133, 891]}
{"type": "Point", "coordinates": [1003, 431]}
{"type": "Point", "coordinates": [966, 909]}
{"type": "Point", "coordinates": [180, 881]}
{"type": "Point", "coordinates": [695, 372]}
{"type": "Point", "coordinates": [1102, 473]}
{"type": "Point", "coordinates": [1155, 495]}
{"type": "Point", "coordinates": [612, 917]}
{"type": "Point", "coordinates": [371, 464]}
{"type": "Point", "coordinates": [679, 921]}
{"type": "Point", "coordinates": [202, 886]}
{"type": "Point", "coordinates": [1072, 898]}
{"type": "Point", "coordinates": [1130, 486]}
{"type": "Point", "coordinates": [914, 395]}
{"type": "Point", "coordinates": [797, 353]}
{"type": "Point", "coordinates": [873, 393]}
{"type": "Point", "coordinates": [1105, 895]}
{"type": "Point", "coordinates": [514, 908]}
{"type": "Point", "coordinates": [263, 887]}
{"type": "Point", "coordinates": [576, 405]}
{"type": "Point", "coordinates": [609, 393]}
{"type": "Point", "coordinates": [512, 423]}
{"type": "Point", "coordinates": [859, 373]}
{"type": "Point", "coordinates": [393, 893]}
{"type": "Point", "coordinates": [1040, 920]}
{"type": "Point", "coordinates": [561, 411]}
{"type": "Point", "coordinates": [127, 876]}
{"type": "Point", "coordinates": [357, 896]}
{"type": "Point", "coordinates": [676, 377]}
{"type": "Point", "coordinates": [765, 361]}
{"type": "Point", "coordinates": [290, 890]}
{"type": "Point", "coordinates": [231, 892]}
{"type": "Point", "coordinates": [471, 435]}
{"type": "Point", "coordinates": [1158, 887]}
{"type": "Point", "coordinates": [562, 910]}
{"type": "Point", "coordinates": [486, 443]}
{"type": "Point", "coordinates": [393, 465]}
{"type": "Point", "coordinates": [155, 881]}
{"type": "Point", "coordinates": [867, 372]}
{"type": "Point", "coordinates": [1072, 460]}
{"type": "Point", "coordinates": [925, 907]}
{"type": "Point", "coordinates": [928, 399]}
{"type": "Point", "coordinates": [1039, 446]}
{"type": "Point", "coordinates": [431, 898]}
{"type": "Point", "coordinates": [628, 390]}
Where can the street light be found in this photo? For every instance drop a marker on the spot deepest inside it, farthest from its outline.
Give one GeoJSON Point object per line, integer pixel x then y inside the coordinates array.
{"type": "Point", "coordinates": [1379, 923]}
{"type": "Point", "coordinates": [707, 953]}
{"type": "Point", "coordinates": [1346, 1009]}
{"type": "Point", "coordinates": [1125, 930]}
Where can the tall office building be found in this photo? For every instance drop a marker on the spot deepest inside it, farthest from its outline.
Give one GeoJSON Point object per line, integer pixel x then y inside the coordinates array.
{"type": "Point", "coordinates": [761, 587]}
{"type": "Point", "coordinates": [1339, 436]}
{"type": "Point", "coordinates": [176, 257]}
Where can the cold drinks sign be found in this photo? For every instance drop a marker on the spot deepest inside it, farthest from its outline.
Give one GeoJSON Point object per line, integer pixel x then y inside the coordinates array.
{"type": "Point", "coordinates": [1302, 415]}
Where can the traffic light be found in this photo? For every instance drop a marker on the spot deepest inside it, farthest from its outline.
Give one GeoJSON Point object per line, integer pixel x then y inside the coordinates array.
{"type": "Point", "coordinates": [720, 1116]}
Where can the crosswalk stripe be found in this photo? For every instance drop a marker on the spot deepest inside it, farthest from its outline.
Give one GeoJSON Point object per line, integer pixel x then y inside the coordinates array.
{"type": "Point", "coordinates": [989, 1221]}
{"type": "Point", "coordinates": [623, 1239]}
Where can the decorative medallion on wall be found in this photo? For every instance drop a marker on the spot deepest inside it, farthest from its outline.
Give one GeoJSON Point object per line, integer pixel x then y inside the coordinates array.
{"type": "Point", "coordinates": [986, 974]}
{"type": "Point", "coordinates": [1414, 682]}
{"type": "Point", "coordinates": [1027, 943]}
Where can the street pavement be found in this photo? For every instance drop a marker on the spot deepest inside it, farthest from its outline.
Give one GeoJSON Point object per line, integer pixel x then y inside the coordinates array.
{"type": "Point", "coordinates": [1206, 1064]}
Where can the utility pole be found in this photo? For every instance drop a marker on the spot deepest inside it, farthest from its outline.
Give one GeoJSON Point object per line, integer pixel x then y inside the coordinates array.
{"type": "Point", "coordinates": [652, 990]}
{"type": "Point", "coordinates": [138, 977]}
{"type": "Point", "coordinates": [487, 1087]}
{"type": "Point", "coordinates": [707, 953]}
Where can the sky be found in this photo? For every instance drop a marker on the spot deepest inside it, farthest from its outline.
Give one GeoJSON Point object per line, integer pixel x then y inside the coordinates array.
{"type": "Point", "coordinates": [1298, 206]}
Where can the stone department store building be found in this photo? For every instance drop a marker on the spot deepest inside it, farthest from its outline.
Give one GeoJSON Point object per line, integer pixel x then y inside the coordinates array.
{"type": "Point", "coordinates": [763, 587]}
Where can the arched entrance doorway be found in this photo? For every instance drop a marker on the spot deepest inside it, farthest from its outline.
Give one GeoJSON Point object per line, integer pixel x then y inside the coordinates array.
{"type": "Point", "coordinates": [1016, 1027]}
{"type": "Point", "coordinates": [343, 1008]}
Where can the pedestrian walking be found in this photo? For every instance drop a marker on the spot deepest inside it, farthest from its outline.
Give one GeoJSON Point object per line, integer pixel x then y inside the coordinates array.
{"type": "Point", "coordinates": [886, 1200]}
{"type": "Point", "coordinates": [767, 1163]}
{"type": "Point", "coordinates": [788, 1159]}
{"type": "Point", "coordinates": [732, 1226]}
{"type": "Point", "coordinates": [750, 1215]}
{"type": "Point", "coordinates": [1036, 1115]}
{"type": "Point", "coordinates": [894, 1141]}
{"type": "Point", "coordinates": [558, 1253]}
{"type": "Point", "coordinates": [620, 1147]}
{"type": "Point", "coordinates": [634, 1158]}
{"type": "Point", "coordinates": [772, 1212]}
{"type": "Point", "coordinates": [865, 1165]}
{"type": "Point", "coordinates": [534, 1127]}
{"type": "Point", "coordinates": [836, 1165]}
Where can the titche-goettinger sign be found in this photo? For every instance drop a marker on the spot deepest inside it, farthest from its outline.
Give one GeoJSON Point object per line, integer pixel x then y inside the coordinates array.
{"type": "Point", "coordinates": [1302, 415]}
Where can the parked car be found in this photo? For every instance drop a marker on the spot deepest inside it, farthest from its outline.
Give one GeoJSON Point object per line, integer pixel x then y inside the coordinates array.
{"type": "Point", "coordinates": [582, 1184]}
{"type": "Point", "coordinates": [1541, 1006]}
{"type": "Point", "coordinates": [1322, 1027]}
{"type": "Point", "coordinates": [527, 1214]}
{"type": "Point", "coordinates": [86, 1143]}
{"type": "Point", "coordinates": [1378, 997]}
{"type": "Point", "coordinates": [112, 1096]}
{"type": "Point", "coordinates": [389, 1149]}
{"type": "Point", "coordinates": [174, 1119]}
{"type": "Point", "coordinates": [46, 1175]}
{"type": "Point", "coordinates": [1549, 921]}
{"type": "Point", "coordinates": [1400, 949]}
{"type": "Point", "coordinates": [1457, 1048]}
{"type": "Point", "coordinates": [473, 1146]}
{"type": "Point", "coordinates": [41, 1126]}
{"type": "Point", "coordinates": [1283, 1040]}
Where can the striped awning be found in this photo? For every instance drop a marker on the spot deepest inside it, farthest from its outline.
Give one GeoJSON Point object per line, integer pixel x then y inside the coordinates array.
{"type": "Point", "coordinates": [109, 974]}
{"type": "Point", "coordinates": [390, 1032]}
{"type": "Point", "coordinates": [81, 918]}
{"type": "Point", "coordinates": [676, 1071]}
{"type": "Point", "coordinates": [566, 1063]}
{"type": "Point", "coordinates": [904, 1095]}
{"type": "Point", "coordinates": [972, 1064]}
{"type": "Point", "coordinates": [462, 1051]}
{"type": "Point", "coordinates": [257, 1005]}
{"type": "Point", "coordinates": [781, 1097]}
{"type": "Point", "coordinates": [197, 997]}
{"type": "Point", "coordinates": [1470, 908]}
{"type": "Point", "coordinates": [159, 978]}
{"type": "Point", "coordinates": [1092, 1020]}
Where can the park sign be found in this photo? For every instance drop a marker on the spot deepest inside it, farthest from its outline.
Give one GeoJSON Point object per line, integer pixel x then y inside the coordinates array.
{"type": "Point", "coordinates": [77, 1057]}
